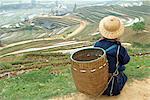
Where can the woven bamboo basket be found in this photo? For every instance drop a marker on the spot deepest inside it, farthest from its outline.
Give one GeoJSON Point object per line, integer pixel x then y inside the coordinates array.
{"type": "Point", "coordinates": [90, 70]}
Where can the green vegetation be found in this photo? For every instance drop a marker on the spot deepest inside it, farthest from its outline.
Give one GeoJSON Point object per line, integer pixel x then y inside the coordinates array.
{"type": "Point", "coordinates": [40, 84]}
{"type": "Point", "coordinates": [1, 44]}
{"type": "Point", "coordinates": [140, 26]}
{"type": "Point", "coordinates": [138, 68]}
{"type": "Point", "coordinates": [28, 27]}
{"type": "Point", "coordinates": [86, 33]}
{"type": "Point", "coordinates": [75, 7]}
{"type": "Point", "coordinates": [37, 85]}
{"type": "Point", "coordinates": [34, 44]}
{"type": "Point", "coordinates": [55, 79]}
{"type": "Point", "coordinates": [142, 45]}
{"type": "Point", "coordinates": [37, 58]}
{"type": "Point", "coordinates": [21, 34]}
{"type": "Point", "coordinates": [143, 8]}
{"type": "Point", "coordinates": [70, 30]}
{"type": "Point", "coordinates": [44, 27]}
{"type": "Point", "coordinates": [4, 66]}
{"type": "Point", "coordinates": [48, 74]}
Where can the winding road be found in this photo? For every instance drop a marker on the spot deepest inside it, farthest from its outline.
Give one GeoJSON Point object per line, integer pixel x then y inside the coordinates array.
{"type": "Point", "coordinates": [43, 48]}
{"type": "Point", "coordinates": [83, 24]}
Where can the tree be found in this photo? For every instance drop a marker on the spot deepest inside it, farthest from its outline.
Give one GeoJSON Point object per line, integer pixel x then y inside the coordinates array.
{"type": "Point", "coordinates": [1, 44]}
{"type": "Point", "coordinates": [139, 26]}
{"type": "Point", "coordinates": [33, 2]}
{"type": "Point", "coordinates": [75, 7]}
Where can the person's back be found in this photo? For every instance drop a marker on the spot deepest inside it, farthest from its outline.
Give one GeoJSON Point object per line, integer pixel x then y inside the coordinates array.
{"type": "Point", "coordinates": [110, 39]}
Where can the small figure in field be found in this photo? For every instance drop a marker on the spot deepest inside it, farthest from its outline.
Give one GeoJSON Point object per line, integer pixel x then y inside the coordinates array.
{"type": "Point", "coordinates": [112, 28]}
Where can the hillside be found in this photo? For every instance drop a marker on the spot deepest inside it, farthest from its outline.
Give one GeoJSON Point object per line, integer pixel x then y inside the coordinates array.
{"type": "Point", "coordinates": [34, 66]}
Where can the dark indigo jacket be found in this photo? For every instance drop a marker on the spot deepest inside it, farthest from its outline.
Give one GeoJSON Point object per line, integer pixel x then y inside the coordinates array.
{"type": "Point", "coordinates": [111, 56]}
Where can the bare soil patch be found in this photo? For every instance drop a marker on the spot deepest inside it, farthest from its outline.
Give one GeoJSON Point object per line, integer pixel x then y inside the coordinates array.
{"type": "Point", "coordinates": [137, 90]}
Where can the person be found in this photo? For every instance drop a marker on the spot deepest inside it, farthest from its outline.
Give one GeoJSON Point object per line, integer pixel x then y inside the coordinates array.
{"type": "Point", "coordinates": [112, 28]}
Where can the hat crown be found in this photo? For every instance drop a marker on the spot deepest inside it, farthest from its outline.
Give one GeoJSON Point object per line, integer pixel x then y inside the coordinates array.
{"type": "Point", "coordinates": [111, 23]}
{"type": "Point", "coordinates": [111, 27]}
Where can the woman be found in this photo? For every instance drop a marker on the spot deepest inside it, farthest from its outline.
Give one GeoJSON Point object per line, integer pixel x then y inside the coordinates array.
{"type": "Point", "coordinates": [111, 28]}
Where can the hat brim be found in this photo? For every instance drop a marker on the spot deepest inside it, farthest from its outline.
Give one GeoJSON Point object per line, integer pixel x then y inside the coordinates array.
{"type": "Point", "coordinates": [111, 35]}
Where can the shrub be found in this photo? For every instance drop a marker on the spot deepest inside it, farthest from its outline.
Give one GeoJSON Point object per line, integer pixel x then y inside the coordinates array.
{"type": "Point", "coordinates": [139, 26]}
{"type": "Point", "coordinates": [4, 65]}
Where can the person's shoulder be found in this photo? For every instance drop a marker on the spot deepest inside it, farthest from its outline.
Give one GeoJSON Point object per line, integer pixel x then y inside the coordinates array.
{"type": "Point", "coordinates": [101, 43]}
{"type": "Point", "coordinates": [123, 49]}
{"type": "Point", "coordinates": [118, 43]}
{"type": "Point", "coordinates": [102, 40]}
{"type": "Point", "coordinates": [96, 43]}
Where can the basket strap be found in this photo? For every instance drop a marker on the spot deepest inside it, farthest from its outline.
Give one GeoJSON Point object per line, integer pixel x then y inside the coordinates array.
{"type": "Point", "coordinates": [116, 71]}
{"type": "Point", "coordinates": [111, 47]}
{"type": "Point", "coordinates": [112, 78]}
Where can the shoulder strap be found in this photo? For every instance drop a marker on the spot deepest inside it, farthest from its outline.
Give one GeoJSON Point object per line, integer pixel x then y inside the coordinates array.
{"type": "Point", "coordinates": [111, 47]}
{"type": "Point", "coordinates": [114, 74]}
{"type": "Point", "coordinates": [116, 71]}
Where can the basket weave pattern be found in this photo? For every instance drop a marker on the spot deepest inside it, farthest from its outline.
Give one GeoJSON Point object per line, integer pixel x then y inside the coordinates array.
{"type": "Point", "coordinates": [90, 71]}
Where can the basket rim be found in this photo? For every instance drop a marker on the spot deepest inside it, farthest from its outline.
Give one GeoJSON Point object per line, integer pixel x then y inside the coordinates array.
{"type": "Point", "coordinates": [98, 48]}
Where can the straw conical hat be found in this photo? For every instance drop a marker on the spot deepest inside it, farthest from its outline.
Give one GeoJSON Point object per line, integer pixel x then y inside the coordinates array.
{"type": "Point", "coordinates": [111, 27]}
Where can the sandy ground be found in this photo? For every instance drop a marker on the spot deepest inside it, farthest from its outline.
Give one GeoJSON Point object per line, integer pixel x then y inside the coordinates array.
{"type": "Point", "coordinates": [137, 90]}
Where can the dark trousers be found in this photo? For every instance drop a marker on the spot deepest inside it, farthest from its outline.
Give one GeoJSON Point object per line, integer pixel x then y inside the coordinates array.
{"type": "Point", "coordinates": [119, 82]}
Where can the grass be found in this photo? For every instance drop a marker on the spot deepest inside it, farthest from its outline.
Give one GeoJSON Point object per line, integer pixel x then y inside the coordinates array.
{"type": "Point", "coordinates": [37, 85]}
{"type": "Point", "coordinates": [63, 21]}
{"type": "Point", "coordinates": [32, 60]}
{"type": "Point", "coordinates": [62, 48]}
{"type": "Point", "coordinates": [40, 84]}
{"type": "Point", "coordinates": [139, 48]}
{"type": "Point", "coordinates": [142, 8]}
{"type": "Point", "coordinates": [35, 44]}
{"type": "Point", "coordinates": [69, 30]}
{"type": "Point", "coordinates": [27, 32]}
{"type": "Point", "coordinates": [4, 66]}
{"type": "Point", "coordinates": [91, 14]}
{"type": "Point", "coordinates": [12, 37]}
{"type": "Point", "coordinates": [138, 68]}
{"type": "Point", "coordinates": [40, 44]}
{"type": "Point", "coordinates": [86, 33]}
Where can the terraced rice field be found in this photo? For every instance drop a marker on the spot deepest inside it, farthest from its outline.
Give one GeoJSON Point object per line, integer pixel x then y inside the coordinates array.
{"type": "Point", "coordinates": [44, 74]}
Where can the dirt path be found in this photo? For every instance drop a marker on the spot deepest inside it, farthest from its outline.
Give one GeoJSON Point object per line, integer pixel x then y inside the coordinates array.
{"type": "Point", "coordinates": [137, 90]}
{"type": "Point", "coordinates": [83, 24]}
{"type": "Point", "coordinates": [78, 30]}
{"type": "Point", "coordinates": [24, 42]}
{"type": "Point", "coordinates": [44, 48]}
{"type": "Point", "coordinates": [127, 45]}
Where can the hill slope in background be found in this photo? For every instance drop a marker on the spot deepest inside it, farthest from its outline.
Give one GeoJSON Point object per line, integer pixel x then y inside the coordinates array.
{"type": "Point", "coordinates": [32, 68]}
